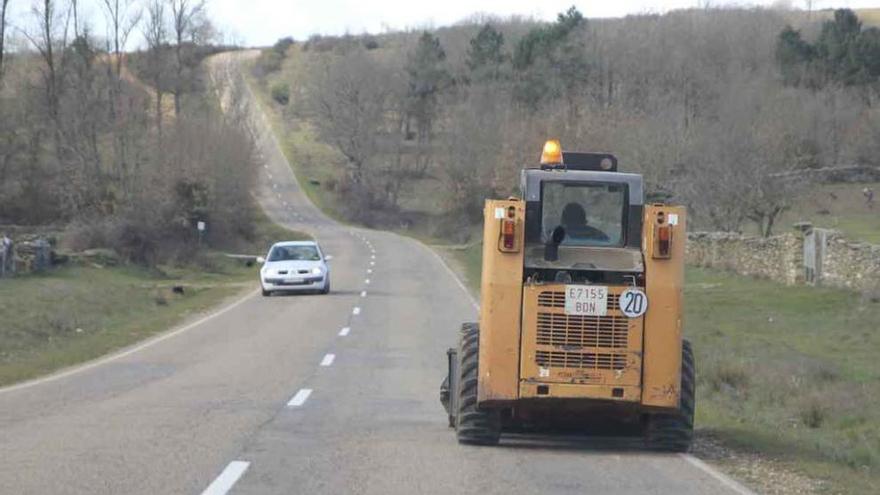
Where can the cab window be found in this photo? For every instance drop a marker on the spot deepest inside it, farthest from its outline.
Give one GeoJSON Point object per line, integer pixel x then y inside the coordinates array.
{"type": "Point", "coordinates": [591, 213]}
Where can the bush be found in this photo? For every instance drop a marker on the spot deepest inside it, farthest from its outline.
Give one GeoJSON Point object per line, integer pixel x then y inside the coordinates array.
{"type": "Point", "coordinates": [268, 62]}
{"type": "Point", "coordinates": [813, 411]}
{"type": "Point", "coordinates": [281, 93]}
{"type": "Point", "coordinates": [726, 376]}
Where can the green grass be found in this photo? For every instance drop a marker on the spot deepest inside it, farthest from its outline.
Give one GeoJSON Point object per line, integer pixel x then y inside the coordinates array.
{"type": "Point", "coordinates": [790, 372]}
{"type": "Point", "coordinates": [837, 206]}
{"type": "Point", "coordinates": [77, 313]}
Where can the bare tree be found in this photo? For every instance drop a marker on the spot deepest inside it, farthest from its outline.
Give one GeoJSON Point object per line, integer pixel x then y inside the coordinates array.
{"type": "Point", "coordinates": [184, 14]}
{"type": "Point", "coordinates": [3, 10]}
{"type": "Point", "coordinates": [122, 18]}
{"type": "Point", "coordinates": [48, 34]}
{"type": "Point", "coordinates": [156, 35]}
{"type": "Point", "coordinates": [348, 99]}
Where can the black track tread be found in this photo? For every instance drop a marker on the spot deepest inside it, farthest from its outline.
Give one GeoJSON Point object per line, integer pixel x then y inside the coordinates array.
{"type": "Point", "coordinates": [675, 432]}
{"type": "Point", "coordinates": [474, 426]}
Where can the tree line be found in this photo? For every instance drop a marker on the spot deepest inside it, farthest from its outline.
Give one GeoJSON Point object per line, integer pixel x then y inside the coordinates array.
{"type": "Point", "coordinates": [710, 105]}
{"type": "Point", "coordinates": [125, 150]}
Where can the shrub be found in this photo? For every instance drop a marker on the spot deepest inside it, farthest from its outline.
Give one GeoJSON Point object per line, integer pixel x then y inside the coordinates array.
{"type": "Point", "coordinates": [724, 376]}
{"type": "Point", "coordinates": [281, 93]}
{"type": "Point", "coordinates": [812, 411]}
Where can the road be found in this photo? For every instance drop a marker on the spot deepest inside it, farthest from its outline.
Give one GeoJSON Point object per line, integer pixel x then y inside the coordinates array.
{"type": "Point", "coordinates": [301, 394]}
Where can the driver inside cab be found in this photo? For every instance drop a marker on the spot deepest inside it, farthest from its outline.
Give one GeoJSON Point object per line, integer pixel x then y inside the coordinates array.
{"type": "Point", "coordinates": [574, 221]}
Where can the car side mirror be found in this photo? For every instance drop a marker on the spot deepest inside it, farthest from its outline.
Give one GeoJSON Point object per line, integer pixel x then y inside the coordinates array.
{"type": "Point", "coordinates": [261, 260]}
{"type": "Point", "coordinates": [328, 257]}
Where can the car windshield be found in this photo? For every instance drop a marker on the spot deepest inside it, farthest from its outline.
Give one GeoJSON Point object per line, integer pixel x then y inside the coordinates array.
{"type": "Point", "coordinates": [294, 253]}
{"type": "Point", "coordinates": [592, 214]}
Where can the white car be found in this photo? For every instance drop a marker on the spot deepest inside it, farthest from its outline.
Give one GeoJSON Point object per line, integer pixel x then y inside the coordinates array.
{"type": "Point", "coordinates": [295, 266]}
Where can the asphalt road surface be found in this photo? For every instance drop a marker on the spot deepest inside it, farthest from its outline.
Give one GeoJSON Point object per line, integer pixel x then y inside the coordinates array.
{"type": "Point", "coordinates": [301, 394]}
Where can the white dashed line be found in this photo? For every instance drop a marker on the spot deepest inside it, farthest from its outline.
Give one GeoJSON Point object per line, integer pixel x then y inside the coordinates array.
{"type": "Point", "coordinates": [369, 270]}
{"type": "Point", "coordinates": [367, 281]}
{"type": "Point", "coordinates": [223, 483]}
{"type": "Point", "coordinates": [328, 359]}
{"type": "Point", "coordinates": [373, 257]}
{"type": "Point", "coordinates": [300, 397]}
{"type": "Point", "coordinates": [356, 311]}
{"type": "Point", "coordinates": [364, 293]}
{"type": "Point", "coordinates": [344, 331]}
{"type": "Point", "coordinates": [372, 263]}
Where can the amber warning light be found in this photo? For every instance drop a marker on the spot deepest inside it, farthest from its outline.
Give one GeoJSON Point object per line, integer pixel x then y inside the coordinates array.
{"type": "Point", "coordinates": [552, 153]}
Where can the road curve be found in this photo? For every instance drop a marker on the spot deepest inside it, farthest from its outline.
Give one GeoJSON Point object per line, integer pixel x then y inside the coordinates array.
{"type": "Point", "coordinates": [302, 394]}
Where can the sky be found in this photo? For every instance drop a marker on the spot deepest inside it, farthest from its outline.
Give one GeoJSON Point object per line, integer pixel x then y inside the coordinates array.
{"type": "Point", "coordinates": [261, 22]}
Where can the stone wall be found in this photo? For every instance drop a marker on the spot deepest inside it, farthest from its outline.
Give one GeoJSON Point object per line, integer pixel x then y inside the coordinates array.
{"type": "Point", "coordinates": [777, 258]}
{"type": "Point", "coordinates": [844, 264]}
{"type": "Point", "coordinates": [33, 248]}
{"type": "Point", "coordinates": [850, 265]}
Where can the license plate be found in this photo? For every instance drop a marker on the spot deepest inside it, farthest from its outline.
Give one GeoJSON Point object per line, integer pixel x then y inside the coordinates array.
{"type": "Point", "coordinates": [586, 300]}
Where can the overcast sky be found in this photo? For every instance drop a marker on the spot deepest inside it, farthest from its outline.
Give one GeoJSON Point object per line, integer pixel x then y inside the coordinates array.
{"type": "Point", "coordinates": [261, 22]}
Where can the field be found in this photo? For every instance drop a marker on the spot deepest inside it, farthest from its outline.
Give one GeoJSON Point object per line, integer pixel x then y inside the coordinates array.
{"type": "Point", "coordinates": [788, 372]}
{"type": "Point", "coordinates": [78, 313]}
{"type": "Point", "coordinates": [838, 206]}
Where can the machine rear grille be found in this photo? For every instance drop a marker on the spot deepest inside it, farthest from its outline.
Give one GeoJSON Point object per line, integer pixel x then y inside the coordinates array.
{"type": "Point", "coordinates": [590, 360]}
{"type": "Point", "coordinates": [583, 331]}
{"type": "Point", "coordinates": [556, 299]}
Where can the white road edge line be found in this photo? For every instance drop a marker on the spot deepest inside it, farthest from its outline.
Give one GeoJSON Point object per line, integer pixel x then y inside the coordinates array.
{"type": "Point", "coordinates": [124, 353]}
{"type": "Point", "coordinates": [227, 479]}
{"type": "Point", "coordinates": [356, 311]}
{"type": "Point", "coordinates": [718, 475]}
{"type": "Point", "coordinates": [344, 331]}
{"type": "Point", "coordinates": [300, 398]}
{"type": "Point", "coordinates": [328, 359]}
{"type": "Point", "coordinates": [452, 273]}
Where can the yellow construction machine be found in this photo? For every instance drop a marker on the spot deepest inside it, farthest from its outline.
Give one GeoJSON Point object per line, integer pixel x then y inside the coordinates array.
{"type": "Point", "coordinates": [581, 310]}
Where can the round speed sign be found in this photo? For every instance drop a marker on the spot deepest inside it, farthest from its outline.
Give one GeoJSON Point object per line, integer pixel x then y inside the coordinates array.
{"type": "Point", "coordinates": [633, 302]}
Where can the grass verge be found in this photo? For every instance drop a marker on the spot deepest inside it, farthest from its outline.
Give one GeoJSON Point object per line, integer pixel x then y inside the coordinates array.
{"type": "Point", "coordinates": [78, 313]}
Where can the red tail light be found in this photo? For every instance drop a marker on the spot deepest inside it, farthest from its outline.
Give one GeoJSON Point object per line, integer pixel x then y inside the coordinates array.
{"type": "Point", "coordinates": [508, 234]}
{"type": "Point", "coordinates": [664, 238]}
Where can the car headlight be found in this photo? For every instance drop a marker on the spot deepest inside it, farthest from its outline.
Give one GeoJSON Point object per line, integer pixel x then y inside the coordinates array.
{"type": "Point", "coordinates": [317, 271]}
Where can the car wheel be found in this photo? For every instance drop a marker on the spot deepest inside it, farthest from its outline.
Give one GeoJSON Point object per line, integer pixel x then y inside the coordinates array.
{"type": "Point", "coordinates": [267, 293]}
{"type": "Point", "coordinates": [326, 289]}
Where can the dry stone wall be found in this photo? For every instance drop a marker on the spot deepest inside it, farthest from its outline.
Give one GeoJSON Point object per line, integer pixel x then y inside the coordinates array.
{"type": "Point", "coordinates": [778, 258]}
{"type": "Point", "coordinates": [850, 265]}
{"type": "Point", "coordinates": [844, 264]}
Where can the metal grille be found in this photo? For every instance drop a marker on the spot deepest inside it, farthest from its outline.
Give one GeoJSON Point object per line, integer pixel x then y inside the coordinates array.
{"type": "Point", "coordinates": [561, 359]}
{"type": "Point", "coordinates": [582, 331]}
{"type": "Point", "coordinates": [556, 299]}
